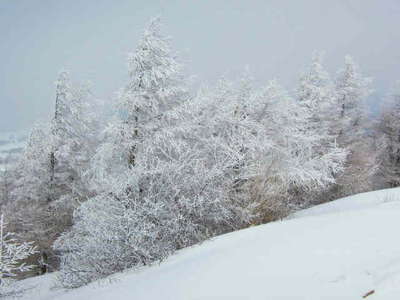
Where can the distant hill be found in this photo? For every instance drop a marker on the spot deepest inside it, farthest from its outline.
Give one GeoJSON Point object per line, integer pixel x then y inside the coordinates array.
{"type": "Point", "coordinates": [11, 145]}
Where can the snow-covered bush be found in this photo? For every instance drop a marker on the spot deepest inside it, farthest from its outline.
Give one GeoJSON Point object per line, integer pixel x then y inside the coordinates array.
{"type": "Point", "coordinates": [197, 168]}
{"type": "Point", "coordinates": [173, 197]}
{"type": "Point", "coordinates": [293, 165]}
{"type": "Point", "coordinates": [12, 256]}
{"type": "Point", "coordinates": [166, 183]}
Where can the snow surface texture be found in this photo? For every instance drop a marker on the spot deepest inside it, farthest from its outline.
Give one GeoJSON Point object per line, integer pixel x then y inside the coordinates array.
{"type": "Point", "coordinates": [340, 250]}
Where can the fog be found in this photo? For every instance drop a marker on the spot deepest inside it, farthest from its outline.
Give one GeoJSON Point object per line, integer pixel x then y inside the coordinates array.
{"type": "Point", "coordinates": [275, 38]}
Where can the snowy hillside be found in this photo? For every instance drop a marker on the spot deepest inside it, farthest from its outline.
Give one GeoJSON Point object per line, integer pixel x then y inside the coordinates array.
{"type": "Point", "coordinates": [11, 144]}
{"type": "Point", "coordinates": [345, 249]}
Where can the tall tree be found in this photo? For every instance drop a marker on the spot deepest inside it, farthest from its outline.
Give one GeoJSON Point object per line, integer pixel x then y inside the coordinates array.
{"type": "Point", "coordinates": [316, 96]}
{"type": "Point", "coordinates": [352, 90]}
{"type": "Point", "coordinates": [389, 128]}
{"type": "Point", "coordinates": [51, 171]}
{"type": "Point", "coordinates": [291, 166]}
{"type": "Point", "coordinates": [132, 173]}
{"type": "Point", "coordinates": [156, 84]}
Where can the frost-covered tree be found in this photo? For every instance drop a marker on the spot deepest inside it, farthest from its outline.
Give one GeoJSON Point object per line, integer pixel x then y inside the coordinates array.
{"type": "Point", "coordinates": [273, 156]}
{"type": "Point", "coordinates": [389, 143]}
{"type": "Point", "coordinates": [156, 84]}
{"type": "Point", "coordinates": [317, 97]}
{"type": "Point", "coordinates": [176, 194]}
{"type": "Point", "coordinates": [134, 174]}
{"type": "Point", "coordinates": [292, 166]}
{"type": "Point", "coordinates": [192, 179]}
{"type": "Point", "coordinates": [352, 90]}
{"type": "Point", "coordinates": [172, 198]}
{"type": "Point", "coordinates": [54, 159]}
{"type": "Point", "coordinates": [75, 132]}
{"type": "Point", "coordinates": [13, 253]}
{"type": "Point", "coordinates": [51, 171]}
{"type": "Point", "coordinates": [31, 214]}
{"type": "Point", "coordinates": [32, 186]}
{"type": "Point", "coordinates": [7, 179]}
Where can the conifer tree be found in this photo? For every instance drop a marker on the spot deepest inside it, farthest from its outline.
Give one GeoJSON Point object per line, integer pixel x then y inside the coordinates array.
{"type": "Point", "coordinates": [316, 96]}
{"type": "Point", "coordinates": [389, 144]}
{"type": "Point", "coordinates": [352, 90]}
{"type": "Point", "coordinates": [134, 173]}
{"type": "Point", "coordinates": [155, 85]}
{"type": "Point", "coordinates": [51, 170]}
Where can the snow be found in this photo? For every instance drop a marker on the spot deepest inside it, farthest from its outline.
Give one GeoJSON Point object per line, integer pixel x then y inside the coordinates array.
{"type": "Point", "coordinates": [340, 250]}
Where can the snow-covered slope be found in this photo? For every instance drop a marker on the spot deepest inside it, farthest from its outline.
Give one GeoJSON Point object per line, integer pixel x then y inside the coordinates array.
{"type": "Point", "coordinates": [341, 250]}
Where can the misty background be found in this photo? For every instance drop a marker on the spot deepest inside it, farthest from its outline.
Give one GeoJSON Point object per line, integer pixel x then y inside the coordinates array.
{"type": "Point", "coordinates": [275, 38]}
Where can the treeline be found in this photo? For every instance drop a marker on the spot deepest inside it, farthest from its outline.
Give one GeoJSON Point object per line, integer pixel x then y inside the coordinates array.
{"type": "Point", "coordinates": [170, 168]}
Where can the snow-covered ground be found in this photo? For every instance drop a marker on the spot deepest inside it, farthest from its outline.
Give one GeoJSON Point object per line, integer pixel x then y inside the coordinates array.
{"type": "Point", "coordinates": [340, 250]}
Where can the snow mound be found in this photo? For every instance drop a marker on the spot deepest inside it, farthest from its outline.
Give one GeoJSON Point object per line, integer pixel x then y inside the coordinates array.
{"type": "Point", "coordinates": [345, 249]}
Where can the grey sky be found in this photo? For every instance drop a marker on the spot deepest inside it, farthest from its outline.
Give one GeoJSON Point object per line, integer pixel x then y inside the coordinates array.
{"type": "Point", "coordinates": [274, 37]}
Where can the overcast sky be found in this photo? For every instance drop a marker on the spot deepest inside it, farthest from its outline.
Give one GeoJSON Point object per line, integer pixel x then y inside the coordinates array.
{"type": "Point", "coordinates": [275, 38]}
